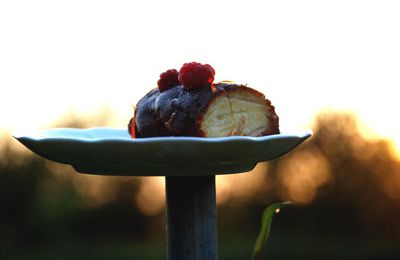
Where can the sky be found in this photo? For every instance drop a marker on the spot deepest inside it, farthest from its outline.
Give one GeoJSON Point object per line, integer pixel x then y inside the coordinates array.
{"type": "Point", "coordinates": [306, 56]}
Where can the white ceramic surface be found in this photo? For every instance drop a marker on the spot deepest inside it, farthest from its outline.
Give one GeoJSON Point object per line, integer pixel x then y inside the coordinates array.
{"type": "Point", "coordinates": [108, 151]}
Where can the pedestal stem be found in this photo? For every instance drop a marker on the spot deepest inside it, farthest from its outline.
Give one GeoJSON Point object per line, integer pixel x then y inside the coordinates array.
{"type": "Point", "coordinates": [191, 218]}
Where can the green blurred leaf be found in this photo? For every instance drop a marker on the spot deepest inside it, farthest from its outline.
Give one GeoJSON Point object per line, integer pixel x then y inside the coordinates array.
{"type": "Point", "coordinates": [268, 214]}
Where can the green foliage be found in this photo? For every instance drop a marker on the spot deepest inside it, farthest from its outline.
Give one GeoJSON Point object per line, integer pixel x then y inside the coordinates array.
{"type": "Point", "coordinates": [265, 230]}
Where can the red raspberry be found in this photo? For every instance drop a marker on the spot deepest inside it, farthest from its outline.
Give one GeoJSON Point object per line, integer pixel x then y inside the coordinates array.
{"type": "Point", "coordinates": [168, 80]}
{"type": "Point", "coordinates": [195, 75]}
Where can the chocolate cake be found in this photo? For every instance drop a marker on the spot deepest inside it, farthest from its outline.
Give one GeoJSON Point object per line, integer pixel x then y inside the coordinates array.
{"type": "Point", "coordinates": [183, 106]}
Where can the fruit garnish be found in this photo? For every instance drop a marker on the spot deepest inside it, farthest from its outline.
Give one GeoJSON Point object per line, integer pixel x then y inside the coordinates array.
{"type": "Point", "coordinates": [194, 75]}
{"type": "Point", "coordinates": [168, 79]}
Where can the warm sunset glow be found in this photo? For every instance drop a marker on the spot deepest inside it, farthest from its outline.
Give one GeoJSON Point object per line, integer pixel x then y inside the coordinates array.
{"type": "Point", "coordinates": [306, 56]}
{"type": "Point", "coordinates": [303, 175]}
{"type": "Point", "coordinates": [151, 196]}
{"type": "Point", "coordinates": [240, 188]}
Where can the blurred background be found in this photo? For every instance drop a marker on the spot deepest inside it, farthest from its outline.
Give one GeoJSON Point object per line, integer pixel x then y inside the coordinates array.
{"type": "Point", "coordinates": [329, 66]}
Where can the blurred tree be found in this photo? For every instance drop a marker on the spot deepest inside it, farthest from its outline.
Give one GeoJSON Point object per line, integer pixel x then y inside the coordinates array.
{"type": "Point", "coordinates": [45, 203]}
{"type": "Point", "coordinates": [352, 196]}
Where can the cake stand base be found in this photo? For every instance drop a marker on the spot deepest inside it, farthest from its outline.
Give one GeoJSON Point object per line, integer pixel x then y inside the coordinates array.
{"type": "Point", "coordinates": [191, 217]}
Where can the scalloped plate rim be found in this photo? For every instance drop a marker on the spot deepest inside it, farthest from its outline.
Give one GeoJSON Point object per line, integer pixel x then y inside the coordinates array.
{"type": "Point", "coordinates": [50, 143]}
{"type": "Point", "coordinates": [39, 136]}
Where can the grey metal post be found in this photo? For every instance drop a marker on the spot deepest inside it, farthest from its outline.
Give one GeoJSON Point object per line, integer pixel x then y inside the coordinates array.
{"type": "Point", "coordinates": [191, 218]}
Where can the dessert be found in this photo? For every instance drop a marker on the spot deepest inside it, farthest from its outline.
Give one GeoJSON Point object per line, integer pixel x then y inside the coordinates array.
{"type": "Point", "coordinates": [188, 103]}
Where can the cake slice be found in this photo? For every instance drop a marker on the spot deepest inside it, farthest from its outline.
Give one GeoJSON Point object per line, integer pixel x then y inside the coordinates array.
{"type": "Point", "coordinates": [207, 110]}
{"type": "Point", "coordinates": [238, 110]}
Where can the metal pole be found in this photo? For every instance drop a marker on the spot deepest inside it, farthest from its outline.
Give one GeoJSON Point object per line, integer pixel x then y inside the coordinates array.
{"type": "Point", "coordinates": [191, 218]}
